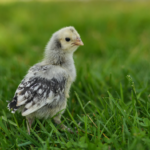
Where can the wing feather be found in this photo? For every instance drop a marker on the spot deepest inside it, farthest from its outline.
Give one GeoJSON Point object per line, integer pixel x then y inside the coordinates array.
{"type": "Point", "coordinates": [40, 89]}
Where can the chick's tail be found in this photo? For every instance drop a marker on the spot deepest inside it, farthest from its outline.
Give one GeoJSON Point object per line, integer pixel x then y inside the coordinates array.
{"type": "Point", "coordinates": [12, 106]}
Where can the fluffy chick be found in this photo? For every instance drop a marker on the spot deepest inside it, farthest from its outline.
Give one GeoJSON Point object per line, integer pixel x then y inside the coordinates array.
{"type": "Point", "coordinates": [45, 89]}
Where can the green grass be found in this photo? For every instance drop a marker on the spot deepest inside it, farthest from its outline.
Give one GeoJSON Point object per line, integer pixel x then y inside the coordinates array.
{"type": "Point", "coordinates": [111, 95]}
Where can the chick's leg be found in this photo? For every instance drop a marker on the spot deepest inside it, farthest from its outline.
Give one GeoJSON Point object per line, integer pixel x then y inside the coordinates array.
{"type": "Point", "coordinates": [62, 126]}
{"type": "Point", "coordinates": [29, 123]}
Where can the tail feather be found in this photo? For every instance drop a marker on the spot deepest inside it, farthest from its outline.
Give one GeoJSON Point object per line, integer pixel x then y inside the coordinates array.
{"type": "Point", "coordinates": [12, 106]}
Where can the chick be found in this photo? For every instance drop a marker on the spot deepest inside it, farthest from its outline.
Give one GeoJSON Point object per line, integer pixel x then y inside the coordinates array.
{"type": "Point", "coordinates": [44, 90]}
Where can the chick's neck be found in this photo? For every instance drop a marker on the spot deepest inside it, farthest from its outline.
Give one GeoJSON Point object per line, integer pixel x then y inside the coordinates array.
{"type": "Point", "coordinates": [59, 58]}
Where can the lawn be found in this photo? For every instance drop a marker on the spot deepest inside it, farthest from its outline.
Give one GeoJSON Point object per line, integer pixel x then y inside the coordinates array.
{"type": "Point", "coordinates": [111, 95]}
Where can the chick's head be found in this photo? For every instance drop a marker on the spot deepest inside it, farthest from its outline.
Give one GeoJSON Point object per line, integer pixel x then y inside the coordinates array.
{"type": "Point", "coordinates": [67, 39]}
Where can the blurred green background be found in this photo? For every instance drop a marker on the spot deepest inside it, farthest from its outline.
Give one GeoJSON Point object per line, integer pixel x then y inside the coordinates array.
{"type": "Point", "coordinates": [116, 38]}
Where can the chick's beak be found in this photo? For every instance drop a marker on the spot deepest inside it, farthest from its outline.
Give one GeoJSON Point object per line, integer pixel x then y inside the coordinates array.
{"type": "Point", "coordinates": [78, 41]}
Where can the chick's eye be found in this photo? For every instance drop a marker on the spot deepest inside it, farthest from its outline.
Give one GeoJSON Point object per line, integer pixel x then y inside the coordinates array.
{"type": "Point", "coordinates": [67, 39]}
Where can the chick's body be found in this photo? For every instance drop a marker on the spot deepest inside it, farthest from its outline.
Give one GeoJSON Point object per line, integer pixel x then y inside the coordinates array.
{"type": "Point", "coordinates": [45, 89]}
{"type": "Point", "coordinates": [51, 85]}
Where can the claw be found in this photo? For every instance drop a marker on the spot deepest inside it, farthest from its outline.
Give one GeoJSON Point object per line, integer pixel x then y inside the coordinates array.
{"type": "Point", "coordinates": [65, 128]}
{"type": "Point", "coordinates": [76, 127]}
{"type": "Point", "coordinates": [69, 130]}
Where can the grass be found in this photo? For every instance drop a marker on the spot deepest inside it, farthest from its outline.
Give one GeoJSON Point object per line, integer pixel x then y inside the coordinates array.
{"type": "Point", "coordinates": [111, 95]}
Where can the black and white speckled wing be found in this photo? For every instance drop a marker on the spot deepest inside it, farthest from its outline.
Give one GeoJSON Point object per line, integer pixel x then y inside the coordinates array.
{"type": "Point", "coordinates": [41, 86]}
